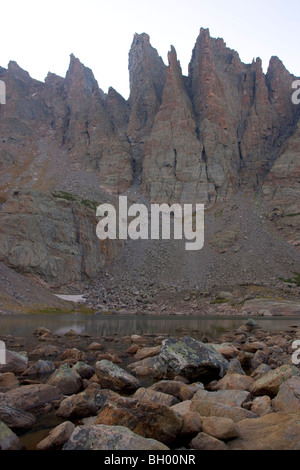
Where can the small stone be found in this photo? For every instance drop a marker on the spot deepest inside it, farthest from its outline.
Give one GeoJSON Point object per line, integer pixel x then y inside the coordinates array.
{"type": "Point", "coordinates": [205, 442]}
{"type": "Point", "coordinates": [262, 406]}
{"type": "Point", "coordinates": [223, 429]}
{"type": "Point", "coordinates": [57, 437]}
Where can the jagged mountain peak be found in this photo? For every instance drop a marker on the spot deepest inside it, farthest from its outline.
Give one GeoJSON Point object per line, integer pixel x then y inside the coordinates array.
{"type": "Point", "coordinates": [227, 128]}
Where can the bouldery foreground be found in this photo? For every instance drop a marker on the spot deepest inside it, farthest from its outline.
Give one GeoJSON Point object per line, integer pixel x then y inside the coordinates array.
{"type": "Point", "coordinates": [152, 392]}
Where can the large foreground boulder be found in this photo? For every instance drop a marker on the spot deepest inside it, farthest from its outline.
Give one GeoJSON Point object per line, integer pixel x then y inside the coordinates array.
{"type": "Point", "coordinates": [191, 359]}
{"type": "Point", "coordinates": [31, 397]}
{"type": "Point", "coordinates": [16, 419]}
{"type": "Point", "coordinates": [275, 431]}
{"type": "Point", "coordinates": [208, 408]}
{"type": "Point", "coordinates": [146, 419]}
{"type": "Point", "coordinates": [40, 368]}
{"type": "Point", "coordinates": [101, 437]}
{"type": "Point", "coordinates": [85, 404]}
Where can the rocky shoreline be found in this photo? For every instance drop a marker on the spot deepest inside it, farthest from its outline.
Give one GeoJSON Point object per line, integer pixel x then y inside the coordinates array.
{"type": "Point", "coordinates": [152, 392]}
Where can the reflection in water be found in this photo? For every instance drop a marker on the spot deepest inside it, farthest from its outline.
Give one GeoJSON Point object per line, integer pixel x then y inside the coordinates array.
{"type": "Point", "coordinates": [100, 326]}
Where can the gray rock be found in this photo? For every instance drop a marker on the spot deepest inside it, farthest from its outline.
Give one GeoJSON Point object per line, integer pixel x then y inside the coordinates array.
{"type": "Point", "coordinates": [288, 397]}
{"type": "Point", "coordinates": [84, 370]}
{"type": "Point", "coordinates": [85, 404]}
{"type": "Point", "coordinates": [66, 379]}
{"type": "Point", "coordinates": [102, 437]}
{"type": "Point", "coordinates": [8, 439]}
{"type": "Point", "coordinates": [16, 419]}
{"type": "Point", "coordinates": [15, 363]}
{"type": "Point", "coordinates": [57, 437]}
{"type": "Point", "coordinates": [40, 368]}
{"type": "Point", "coordinates": [115, 378]}
{"type": "Point", "coordinates": [235, 367]}
{"type": "Point", "coordinates": [191, 359]}
{"type": "Point", "coordinates": [31, 397]}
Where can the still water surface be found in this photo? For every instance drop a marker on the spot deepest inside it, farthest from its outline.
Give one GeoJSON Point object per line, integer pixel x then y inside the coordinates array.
{"type": "Point", "coordinates": [101, 325]}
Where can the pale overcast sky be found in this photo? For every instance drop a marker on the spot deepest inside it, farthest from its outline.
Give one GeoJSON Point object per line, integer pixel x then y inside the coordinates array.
{"type": "Point", "coordinates": [41, 35]}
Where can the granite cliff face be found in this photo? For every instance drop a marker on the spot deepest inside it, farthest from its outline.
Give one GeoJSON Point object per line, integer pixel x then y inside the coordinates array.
{"type": "Point", "coordinates": [53, 238]}
{"type": "Point", "coordinates": [225, 128]}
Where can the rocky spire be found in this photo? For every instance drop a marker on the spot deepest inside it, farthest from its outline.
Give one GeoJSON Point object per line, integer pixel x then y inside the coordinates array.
{"type": "Point", "coordinates": [147, 79]}
{"type": "Point", "coordinates": [172, 169]}
{"type": "Point", "coordinates": [279, 82]}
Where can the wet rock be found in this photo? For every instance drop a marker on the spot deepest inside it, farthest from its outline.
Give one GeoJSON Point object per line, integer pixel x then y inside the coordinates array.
{"type": "Point", "coordinates": [148, 420]}
{"type": "Point", "coordinates": [115, 358]}
{"type": "Point", "coordinates": [47, 350]}
{"type": "Point", "coordinates": [74, 354]}
{"type": "Point", "coordinates": [133, 349]}
{"type": "Point", "coordinates": [16, 419]}
{"type": "Point", "coordinates": [95, 347]}
{"type": "Point", "coordinates": [57, 437]}
{"type": "Point", "coordinates": [102, 437]}
{"type": "Point", "coordinates": [115, 378]}
{"type": "Point", "coordinates": [191, 359]}
{"type": "Point", "coordinates": [8, 381]}
{"type": "Point", "coordinates": [144, 353]}
{"type": "Point", "coordinates": [66, 379]}
{"type": "Point", "coordinates": [31, 397]}
{"type": "Point", "coordinates": [84, 370]}
{"type": "Point", "coordinates": [40, 331]}
{"type": "Point", "coordinates": [40, 368]}
{"type": "Point", "coordinates": [15, 363]}
{"type": "Point", "coordinates": [8, 439]}
{"type": "Point", "coordinates": [137, 339]}
{"type": "Point", "coordinates": [71, 333]}
{"type": "Point", "coordinates": [85, 404]}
